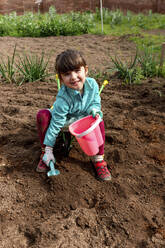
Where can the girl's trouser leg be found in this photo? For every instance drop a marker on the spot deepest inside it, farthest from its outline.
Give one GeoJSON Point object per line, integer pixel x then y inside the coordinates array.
{"type": "Point", "coordinates": [43, 120]}
{"type": "Point", "coordinates": [101, 148]}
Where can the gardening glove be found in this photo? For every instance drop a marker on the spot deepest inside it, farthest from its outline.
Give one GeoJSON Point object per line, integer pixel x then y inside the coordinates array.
{"type": "Point", "coordinates": [95, 112]}
{"type": "Point", "coordinates": [48, 155]}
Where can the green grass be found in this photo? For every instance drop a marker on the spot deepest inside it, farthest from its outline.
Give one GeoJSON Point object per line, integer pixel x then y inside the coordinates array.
{"type": "Point", "coordinates": [144, 21]}
{"type": "Point", "coordinates": [135, 26]}
{"type": "Point", "coordinates": [145, 64]}
{"type": "Point", "coordinates": [148, 40]}
{"type": "Point", "coordinates": [116, 31]}
{"type": "Point", "coordinates": [33, 67]}
{"type": "Point", "coordinates": [28, 68]}
{"type": "Point", "coordinates": [8, 69]}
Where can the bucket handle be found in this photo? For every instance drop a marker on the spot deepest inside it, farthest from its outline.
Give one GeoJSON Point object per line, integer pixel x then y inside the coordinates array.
{"type": "Point", "coordinates": [98, 120]}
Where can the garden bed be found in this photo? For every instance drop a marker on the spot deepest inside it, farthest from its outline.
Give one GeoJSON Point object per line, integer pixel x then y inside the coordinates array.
{"type": "Point", "coordinates": [74, 209]}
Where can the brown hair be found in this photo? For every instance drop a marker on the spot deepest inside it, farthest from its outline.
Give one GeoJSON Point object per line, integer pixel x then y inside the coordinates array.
{"type": "Point", "coordinates": [69, 60]}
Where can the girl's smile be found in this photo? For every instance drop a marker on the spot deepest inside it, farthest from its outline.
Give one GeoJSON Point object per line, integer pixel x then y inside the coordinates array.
{"type": "Point", "coordinates": [75, 79]}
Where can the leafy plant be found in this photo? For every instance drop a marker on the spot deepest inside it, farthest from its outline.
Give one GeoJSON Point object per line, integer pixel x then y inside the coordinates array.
{"type": "Point", "coordinates": [127, 71]}
{"type": "Point", "coordinates": [33, 67]}
{"type": "Point", "coordinates": [110, 17]}
{"type": "Point", "coordinates": [28, 25]}
{"type": "Point", "coordinates": [52, 11]}
{"type": "Point", "coordinates": [8, 70]}
{"type": "Point", "coordinates": [149, 63]}
{"type": "Point", "coordinates": [99, 75]}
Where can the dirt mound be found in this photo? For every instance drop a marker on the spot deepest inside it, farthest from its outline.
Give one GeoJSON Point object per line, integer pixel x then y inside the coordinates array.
{"type": "Point", "coordinates": [74, 209]}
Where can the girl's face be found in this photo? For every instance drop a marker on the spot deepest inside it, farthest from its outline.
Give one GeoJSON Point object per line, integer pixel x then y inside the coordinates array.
{"type": "Point", "coordinates": [75, 79]}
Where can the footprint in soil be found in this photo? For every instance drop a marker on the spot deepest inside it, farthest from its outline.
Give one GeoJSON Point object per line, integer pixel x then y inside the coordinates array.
{"type": "Point", "coordinates": [10, 110]}
{"type": "Point", "coordinates": [32, 236]}
{"type": "Point", "coordinates": [4, 140]}
{"type": "Point", "coordinates": [120, 191]}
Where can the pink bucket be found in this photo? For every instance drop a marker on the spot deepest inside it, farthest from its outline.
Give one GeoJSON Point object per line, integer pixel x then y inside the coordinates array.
{"type": "Point", "coordinates": [88, 134]}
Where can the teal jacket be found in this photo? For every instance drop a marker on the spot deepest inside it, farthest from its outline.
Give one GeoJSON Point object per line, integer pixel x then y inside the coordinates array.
{"type": "Point", "coordinates": [70, 106]}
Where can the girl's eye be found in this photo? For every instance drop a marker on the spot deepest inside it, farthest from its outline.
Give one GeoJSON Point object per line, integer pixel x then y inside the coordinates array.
{"type": "Point", "coordinates": [66, 73]}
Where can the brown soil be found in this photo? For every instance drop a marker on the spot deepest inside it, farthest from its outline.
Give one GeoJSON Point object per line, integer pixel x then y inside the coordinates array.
{"type": "Point", "coordinates": [74, 209]}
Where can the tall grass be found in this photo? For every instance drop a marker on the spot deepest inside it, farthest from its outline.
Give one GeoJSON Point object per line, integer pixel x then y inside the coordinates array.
{"type": "Point", "coordinates": [33, 67]}
{"type": "Point", "coordinates": [29, 67]}
{"type": "Point", "coordinates": [149, 63]}
{"type": "Point", "coordinates": [8, 69]}
{"type": "Point", "coordinates": [129, 72]}
{"type": "Point", "coordinates": [145, 64]}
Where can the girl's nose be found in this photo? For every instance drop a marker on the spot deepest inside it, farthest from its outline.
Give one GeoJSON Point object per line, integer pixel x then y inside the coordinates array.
{"type": "Point", "coordinates": [73, 75]}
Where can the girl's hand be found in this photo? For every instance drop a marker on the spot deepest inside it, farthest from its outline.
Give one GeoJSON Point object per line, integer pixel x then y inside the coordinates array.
{"type": "Point", "coordinates": [96, 112]}
{"type": "Point", "coordinates": [48, 156]}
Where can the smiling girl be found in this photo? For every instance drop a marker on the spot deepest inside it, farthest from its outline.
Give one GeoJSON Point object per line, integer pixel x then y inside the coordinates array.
{"type": "Point", "coordinates": [77, 98]}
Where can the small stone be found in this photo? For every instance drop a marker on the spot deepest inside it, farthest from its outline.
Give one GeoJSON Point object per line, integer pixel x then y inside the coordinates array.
{"type": "Point", "coordinates": [158, 236]}
{"type": "Point", "coordinates": [73, 206]}
{"type": "Point", "coordinates": [156, 240]}
{"type": "Point", "coordinates": [82, 222]}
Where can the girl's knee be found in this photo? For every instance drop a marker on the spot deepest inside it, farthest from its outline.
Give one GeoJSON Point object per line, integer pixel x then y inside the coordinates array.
{"type": "Point", "coordinates": [43, 115]}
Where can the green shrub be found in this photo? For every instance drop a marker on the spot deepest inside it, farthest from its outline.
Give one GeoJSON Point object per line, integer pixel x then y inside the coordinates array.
{"type": "Point", "coordinates": [48, 24]}
{"type": "Point", "coordinates": [28, 25]}
{"type": "Point", "coordinates": [110, 17]}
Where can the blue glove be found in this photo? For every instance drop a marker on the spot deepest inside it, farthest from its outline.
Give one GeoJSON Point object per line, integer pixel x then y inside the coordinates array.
{"type": "Point", "coordinates": [48, 156]}
{"type": "Point", "coordinates": [95, 112]}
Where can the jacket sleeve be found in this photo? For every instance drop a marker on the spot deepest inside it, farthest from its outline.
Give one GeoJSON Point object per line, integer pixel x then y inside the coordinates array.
{"type": "Point", "coordinates": [96, 100]}
{"type": "Point", "coordinates": [59, 115]}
